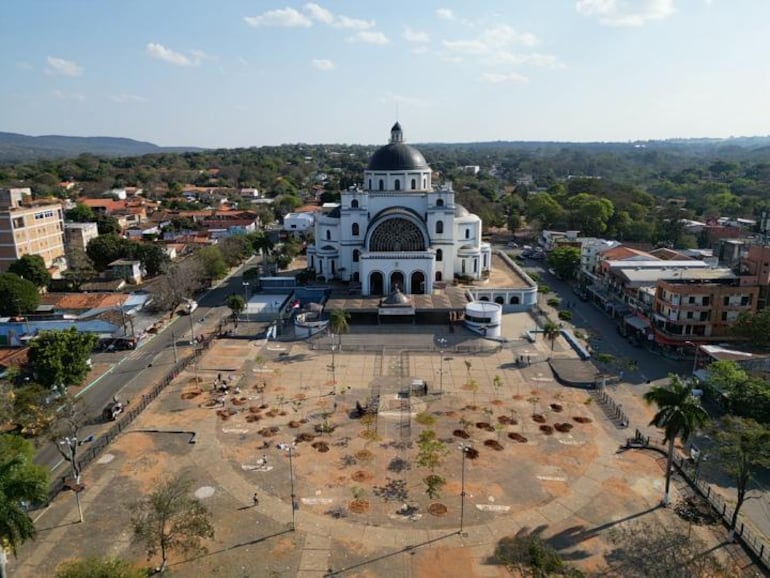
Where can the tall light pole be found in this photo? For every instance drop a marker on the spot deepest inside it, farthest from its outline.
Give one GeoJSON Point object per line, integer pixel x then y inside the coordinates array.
{"type": "Point", "coordinates": [173, 345]}
{"type": "Point", "coordinates": [442, 344]}
{"type": "Point", "coordinates": [695, 358]}
{"type": "Point", "coordinates": [246, 298]}
{"type": "Point", "coordinates": [464, 449]}
{"type": "Point", "coordinates": [192, 330]}
{"type": "Point", "coordinates": [333, 366]}
{"type": "Point", "coordinates": [290, 450]}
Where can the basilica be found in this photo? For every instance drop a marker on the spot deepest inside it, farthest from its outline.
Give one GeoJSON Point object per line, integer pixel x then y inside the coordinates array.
{"type": "Point", "coordinates": [398, 232]}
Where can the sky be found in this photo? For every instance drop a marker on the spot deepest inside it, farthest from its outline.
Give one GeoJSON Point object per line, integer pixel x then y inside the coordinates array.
{"type": "Point", "coordinates": [235, 73]}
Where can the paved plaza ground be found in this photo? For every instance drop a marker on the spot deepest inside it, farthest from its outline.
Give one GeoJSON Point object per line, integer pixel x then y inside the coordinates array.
{"type": "Point", "coordinates": [352, 477]}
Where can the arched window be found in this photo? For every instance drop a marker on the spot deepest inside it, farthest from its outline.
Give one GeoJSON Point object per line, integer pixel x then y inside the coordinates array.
{"type": "Point", "coordinates": [397, 185]}
{"type": "Point", "coordinates": [439, 255]}
{"type": "Point", "coordinates": [439, 202]}
{"type": "Point", "coordinates": [355, 229]}
{"type": "Point", "coordinates": [354, 204]}
{"type": "Point", "coordinates": [355, 255]}
{"type": "Point", "coordinates": [467, 233]}
{"type": "Point", "coordinates": [424, 183]}
{"type": "Point", "coordinates": [439, 227]}
{"type": "Point", "coordinates": [414, 184]}
{"type": "Point", "coordinates": [382, 185]}
{"type": "Point", "coordinates": [438, 275]}
{"type": "Point", "coordinates": [370, 184]}
{"type": "Point", "coordinates": [328, 235]}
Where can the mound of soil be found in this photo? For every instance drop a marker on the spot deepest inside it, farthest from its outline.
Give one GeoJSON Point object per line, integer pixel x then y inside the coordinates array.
{"type": "Point", "coordinates": [255, 409]}
{"type": "Point", "coordinates": [251, 418]}
{"type": "Point", "coordinates": [557, 407]}
{"type": "Point", "coordinates": [294, 424]}
{"type": "Point", "coordinates": [461, 433]}
{"type": "Point", "coordinates": [450, 413]}
{"type": "Point", "coordinates": [361, 476]}
{"type": "Point", "coordinates": [282, 413]}
{"type": "Point", "coordinates": [582, 419]}
{"type": "Point", "coordinates": [238, 401]}
{"type": "Point", "coordinates": [266, 432]}
{"type": "Point", "coordinates": [437, 509]}
{"type": "Point", "coordinates": [471, 453]}
{"type": "Point", "coordinates": [495, 445]}
{"type": "Point", "coordinates": [272, 413]}
{"type": "Point", "coordinates": [505, 420]}
{"type": "Point", "coordinates": [518, 396]}
{"type": "Point", "coordinates": [562, 427]}
{"type": "Point", "coordinates": [485, 426]}
{"type": "Point", "coordinates": [496, 402]}
{"type": "Point", "coordinates": [305, 437]}
{"type": "Point", "coordinates": [224, 414]}
{"type": "Point", "coordinates": [517, 437]}
{"type": "Point", "coordinates": [546, 429]}
{"type": "Point", "coordinates": [358, 506]}
{"type": "Point", "coordinates": [190, 394]}
{"type": "Point", "coordinates": [538, 418]}
{"type": "Point", "coordinates": [322, 447]}
{"type": "Point", "coordinates": [364, 455]}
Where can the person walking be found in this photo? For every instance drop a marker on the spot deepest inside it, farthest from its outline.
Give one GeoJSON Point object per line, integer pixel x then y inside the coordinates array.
{"type": "Point", "coordinates": [255, 500]}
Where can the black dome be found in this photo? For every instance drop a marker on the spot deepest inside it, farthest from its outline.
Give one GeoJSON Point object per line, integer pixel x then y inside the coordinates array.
{"type": "Point", "coordinates": [397, 157]}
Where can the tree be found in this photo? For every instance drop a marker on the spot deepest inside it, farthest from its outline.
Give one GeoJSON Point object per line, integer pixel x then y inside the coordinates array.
{"type": "Point", "coordinates": [30, 411]}
{"type": "Point", "coordinates": [261, 242]}
{"type": "Point", "coordinates": [153, 258]}
{"type": "Point", "coordinates": [565, 262]}
{"type": "Point", "coordinates": [754, 327]}
{"type": "Point", "coordinates": [743, 447]}
{"type": "Point", "coordinates": [80, 214]}
{"type": "Point", "coordinates": [107, 224]}
{"type": "Point", "coordinates": [679, 414]}
{"type": "Point", "coordinates": [60, 358]}
{"type": "Point", "coordinates": [431, 450]}
{"type": "Point", "coordinates": [214, 266]}
{"type": "Point", "coordinates": [80, 268]}
{"type": "Point", "coordinates": [235, 249]}
{"type": "Point", "coordinates": [338, 321]}
{"type": "Point", "coordinates": [169, 519]}
{"type": "Point", "coordinates": [94, 567]}
{"type": "Point", "coordinates": [22, 482]}
{"type": "Point", "coordinates": [527, 554]}
{"type": "Point", "coordinates": [551, 331]}
{"type": "Point", "coordinates": [105, 249]}
{"type": "Point", "coordinates": [18, 295]}
{"type": "Point", "coordinates": [181, 281]}
{"type": "Point", "coordinates": [237, 304]}
{"type": "Point", "coordinates": [32, 268]}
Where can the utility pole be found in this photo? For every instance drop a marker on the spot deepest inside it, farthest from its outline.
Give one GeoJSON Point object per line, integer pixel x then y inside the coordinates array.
{"type": "Point", "coordinates": [173, 345]}
{"type": "Point", "coordinates": [290, 451]}
{"type": "Point", "coordinates": [464, 449]}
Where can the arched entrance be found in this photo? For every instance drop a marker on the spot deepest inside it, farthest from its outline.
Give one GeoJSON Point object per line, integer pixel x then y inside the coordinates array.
{"type": "Point", "coordinates": [418, 283]}
{"type": "Point", "coordinates": [397, 281]}
{"type": "Point", "coordinates": [376, 283]}
{"type": "Point", "coordinates": [515, 300]}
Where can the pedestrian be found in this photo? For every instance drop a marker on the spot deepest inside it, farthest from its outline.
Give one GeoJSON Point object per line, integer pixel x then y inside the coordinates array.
{"type": "Point", "coordinates": [264, 459]}
{"type": "Point", "coordinates": [255, 500]}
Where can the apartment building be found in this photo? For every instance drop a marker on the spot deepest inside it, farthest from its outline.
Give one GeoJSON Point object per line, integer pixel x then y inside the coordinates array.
{"type": "Point", "coordinates": [701, 305]}
{"type": "Point", "coordinates": [30, 227]}
{"type": "Point", "coordinates": [78, 235]}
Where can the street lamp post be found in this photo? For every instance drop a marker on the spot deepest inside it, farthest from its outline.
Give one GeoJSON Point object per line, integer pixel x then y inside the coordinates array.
{"type": "Point", "coordinates": [695, 358]}
{"type": "Point", "coordinates": [246, 298]}
{"type": "Point", "coordinates": [290, 450]}
{"type": "Point", "coordinates": [442, 342]}
{"type": "Point", "coordinates": [333, 366]}
{"type": "Point", "coordinates": [173, 345]}
{"type": "Point", "coordinates": [192, 329]}
{"type": "Point", "coordinates": [464, 449]}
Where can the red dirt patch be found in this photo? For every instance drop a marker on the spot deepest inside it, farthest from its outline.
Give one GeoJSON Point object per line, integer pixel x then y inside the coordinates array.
{"type": "Point", "coordinates": [471, 453]}
{"type": "Point", "coordinates": [190, 394]}
{"type": "Point", "coordinates": [494, 444]}
{"type": "Point", "coordinates": [496, 402]}
{"type": "Point", "coordinates": [361, 476]}
{"type": "Point", "coordinates": [358, 506]}
{"type": "Point", "coordinates": [538, 418]}
{"type": "Point", "coordinates": [546, 429]}
{"type": "Point", "coordinates": [557, 407]}
{"type": "Point", "coordinates": [294, 424]}
{"type": "Point", "coordinates": [562, 427]}
{"type": "Point", "coordinates": [322, 447]}
{"type": "Point", "coordinates": [485, 426]}
{"type": "Point", "coordinates": [305, 437]}
{"type": "Point", "coordinates": [437, 509]}
{"type": "Point", "coordinates": [517, 437]}
{"type": "Point", "coordinates": [582, 419]}
{"type": "Point", "coordinates": [460, 433]}
{"type": "Point", "coordinates": [364, 455]}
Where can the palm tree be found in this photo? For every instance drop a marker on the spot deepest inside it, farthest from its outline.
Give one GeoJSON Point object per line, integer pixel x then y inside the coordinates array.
{"type": "Point", "coordinates": [551, 331]}
{"type": "Point", "coordinates": [679, 414]}
{"type": "Point", "coordinates": [338, 322]}
{"type": "Point", "coordinates": [21, 482]}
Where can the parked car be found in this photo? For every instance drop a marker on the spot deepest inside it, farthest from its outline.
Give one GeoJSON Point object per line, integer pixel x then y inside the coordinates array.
{"type": "Point", "coordinates": [112, 411]}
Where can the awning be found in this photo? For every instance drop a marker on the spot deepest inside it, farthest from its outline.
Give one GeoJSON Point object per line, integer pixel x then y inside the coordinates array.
{"type": "Point", "coordinates": [637, 322]}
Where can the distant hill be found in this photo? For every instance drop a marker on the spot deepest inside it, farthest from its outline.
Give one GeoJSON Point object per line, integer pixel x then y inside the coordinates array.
{"type": "Point", "coordinates": [20, 148]}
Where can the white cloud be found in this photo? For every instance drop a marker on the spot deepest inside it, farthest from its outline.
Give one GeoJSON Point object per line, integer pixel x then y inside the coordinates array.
{"type": "Point", "coordinates": [282, 17]}
{"type": "Point", "coordinates": [466, 46]}
{"type": "Point", "coordinates": [415, 36]}
{"type": "Point", "coordinates": [324, 16]}
{"type": "Point", "coordinates": [200, 56]}
{"type": "Point", "coordinates": [60, 94]}
{"type": "Point", "coordinates": [167, 55]}
{"type": "Point", "coordinates": [323, 64]}
{"type": "Point", "coordinates": [445, 14]}
{"type": "Point", "coordinates": [369, 37]}
{"type": "Point", "coordinates": [318, 13]}
{"type": "Point", "coordinates": [128, 98]}
{"type": "Point", "coordinates": [504, 35]}
{"type": "Point", "coordinates": [626, 12]}
{"type": "Point", "coordinates": [533, 58]}
{"type": "Point", "coordinates": [498, 78]}
{"type": "Point", "coordinates": [63, 67]}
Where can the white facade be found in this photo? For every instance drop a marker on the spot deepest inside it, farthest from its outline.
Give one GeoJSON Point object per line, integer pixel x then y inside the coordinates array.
{"type": "Point", "coordinates": [399, 231]}
{"type": "Point", "coordinates": [298, 222]}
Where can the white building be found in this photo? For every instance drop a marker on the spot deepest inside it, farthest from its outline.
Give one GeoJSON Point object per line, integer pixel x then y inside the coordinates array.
{"type": "Point", "coordinates": [399, 231]}
{"type": "Point", "coordinates": [298, 222]}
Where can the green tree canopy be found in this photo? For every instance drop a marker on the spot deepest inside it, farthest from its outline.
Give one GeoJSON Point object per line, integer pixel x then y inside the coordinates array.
{"type": "Point", "coordinates": [105, 249]}
{"type": "Point", "coordinates": [679, 414]}
{"type": "Point", "coordinates": [107, 224]}
{"type": "Point", "coordinates": [80, 213]}
{"type": "Point", "coordinates": [743, 448]}
{"type": "Point", "coordinates": [236, 303]}
{"type": "Point", "coordinates": [565, 261]}
{"type": "Point", "coordinates": [18, 295]}
{"type": "Point", "coordinates": [59, 358]}
{"type": "Point", "coordinates": [21, 482]}
{"type": "Point", "coordinates": [214, 266]}
{"type": "Point", "coordinates": [32, 268]}
{"type": "Point", "coordinates": [235, 249]}
{"type": "Point", "coordinates": [754, 327]}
